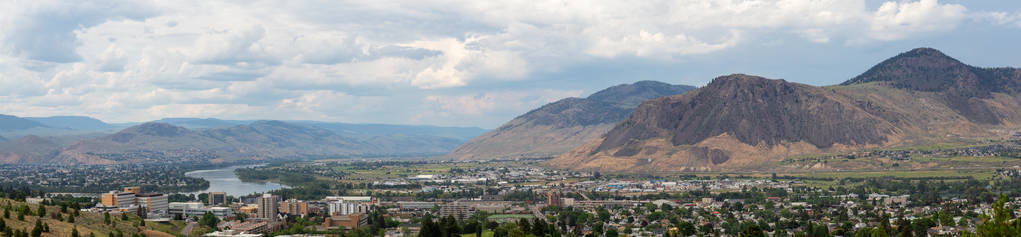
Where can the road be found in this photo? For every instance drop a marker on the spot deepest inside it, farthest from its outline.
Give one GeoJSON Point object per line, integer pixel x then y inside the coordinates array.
{"type": "Point", "coordinates": [187, 229]}
{"type": "Point", "coordinates": [537, 211]}
{"type": "Point", "coordinates": [583, 195]}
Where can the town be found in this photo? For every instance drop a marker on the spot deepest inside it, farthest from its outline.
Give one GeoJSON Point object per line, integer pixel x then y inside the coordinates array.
{"type": "Point", "coordinates": [521, 200]}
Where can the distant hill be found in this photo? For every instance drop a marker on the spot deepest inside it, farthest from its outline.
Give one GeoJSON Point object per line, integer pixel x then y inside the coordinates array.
{"type": "Point", "coordinates": [28, 149]}
{"type": "Point", "coordinates": [348, 129]}
{"type": "Point", "coordinates": [155, 142]}
{"type": "Point", "coordinates": [12, 123]}
{"type": "Point", "coordinates": [559, 126]}
{"type": "Point", "coordinates": [459, 133]}
{"type": "Point", "coordinates": [196, 123]}
{"type": "Point", "coordinates": [72, 122]}
{"type": "Point", "coordinates": [743, 122]}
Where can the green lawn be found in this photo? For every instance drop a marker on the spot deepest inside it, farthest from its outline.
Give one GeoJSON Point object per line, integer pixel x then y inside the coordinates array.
{"type": "Point", "coordinates": [510, 216]}
{"type": "Point", "coordinates": [486, 233]}
{"type": "Point", "coordinates": [962, 174]}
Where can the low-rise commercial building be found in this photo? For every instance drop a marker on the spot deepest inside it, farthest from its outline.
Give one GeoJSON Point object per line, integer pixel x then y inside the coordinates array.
{"type": "Point", "coordinates": [352, 221]}
{"type": "Point", "coordinates": [458, 210]}
{"type": "Point", "coordinates": [183, 210]}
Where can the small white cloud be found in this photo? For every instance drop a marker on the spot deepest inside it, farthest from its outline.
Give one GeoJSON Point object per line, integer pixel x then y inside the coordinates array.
{"type": "Point", "coordinates": [657, 45]}
{"type": "Point", "coordinates": [893, 20]}
{"type": "Point", "coordinates": [461, 61]}
{"type": "Point", "coordinates": [483, 103]}
{"type": "Point", "coordinates": [1001, 18]}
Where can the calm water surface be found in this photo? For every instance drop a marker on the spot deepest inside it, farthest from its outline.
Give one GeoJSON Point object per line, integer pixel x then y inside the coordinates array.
{"type": "Point", "coordinates": [224, 180]}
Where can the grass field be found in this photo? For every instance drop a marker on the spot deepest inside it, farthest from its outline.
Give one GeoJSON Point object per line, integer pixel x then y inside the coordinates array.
{"type": "Point", "coordinates": [510, 216]}
{"type": "Point", "coordinates": [948, 175]}
{"type": "Point", "coordinates": [960, 174]}
{"type": "Point", "coordinates": [404, 171]}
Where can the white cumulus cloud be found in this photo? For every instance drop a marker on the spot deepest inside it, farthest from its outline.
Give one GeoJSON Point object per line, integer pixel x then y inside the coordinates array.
{"type": "Point", "coordinates": [434, 60]}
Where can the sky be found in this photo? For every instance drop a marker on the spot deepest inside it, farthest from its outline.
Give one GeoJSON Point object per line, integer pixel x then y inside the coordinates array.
{"type": "Point", "coordinates": [447, 62]}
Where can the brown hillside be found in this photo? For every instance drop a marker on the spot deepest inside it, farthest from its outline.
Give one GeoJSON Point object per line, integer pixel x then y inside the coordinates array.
{"type": "Point", "coordinates": [559, 126]}
{"type": "Point", "coordinates": [742, 122]}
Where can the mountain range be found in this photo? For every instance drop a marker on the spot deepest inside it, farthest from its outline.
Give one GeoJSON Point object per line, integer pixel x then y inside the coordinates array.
{"type": "Point", "coordinates": [736, 122]}
{"type": "Point", "coordinates": [83, 140]}
{"type": "Point", "coordinates": [745, 122]}
{"type": "Point", "coordinates": [559, 126]}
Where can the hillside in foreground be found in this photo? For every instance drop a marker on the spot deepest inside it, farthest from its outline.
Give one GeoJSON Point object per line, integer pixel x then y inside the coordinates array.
{"type": "Point", "coordinates": [87, 223]}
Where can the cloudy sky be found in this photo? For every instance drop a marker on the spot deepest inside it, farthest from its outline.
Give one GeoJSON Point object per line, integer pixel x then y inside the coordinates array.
{"type": "Point", "coordinates": [446, 62]}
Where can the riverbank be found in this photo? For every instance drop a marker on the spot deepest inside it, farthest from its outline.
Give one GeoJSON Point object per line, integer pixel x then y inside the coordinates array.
{"type": "Point", "coordinates": [225, 180]}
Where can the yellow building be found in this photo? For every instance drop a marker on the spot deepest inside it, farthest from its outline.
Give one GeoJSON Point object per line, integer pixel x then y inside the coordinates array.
{"type": "Point", "coordinates": [251, 210]}
{"type": "Point", "coordinates": [136, 190]}
{"type": "Point", "coordinates": [294, 207]}
{"type": "Point", "coordinates": [108, 199]}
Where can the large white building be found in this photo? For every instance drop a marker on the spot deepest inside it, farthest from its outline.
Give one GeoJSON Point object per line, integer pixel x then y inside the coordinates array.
{"type": "Point", "coordinates": [342, 208]}
{"type": "Point", "coordinates": [189, 209]}
{"type": "Point", "coordinates": [349, 198]}
{"type": "Point", "coordinates": [156, 204]}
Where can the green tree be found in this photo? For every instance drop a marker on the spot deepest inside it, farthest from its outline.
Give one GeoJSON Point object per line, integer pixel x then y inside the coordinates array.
{"type": "Point", "coordinates": [603, 214]}
{"type": "Point", "coordinates": [752, 230]}
{"type": "Point", "coordinates": [612, 232]}
{"type": "Point", "coordinates": [478, 229]}
{"type": "Point", "coordinates": [209, 220]}
{"type": "Point", "coordinates": [203, 197]}
{"type": "Point", "coordinates": [945, 219]}
{"type": "Point", "coordinates": [448, 226]}
{"type": "Point", "coordinates": [42, 211]}
{"type": "Point", "coordinates": [106, 218]}
{"type": "Point", "coordinates": [686, 228]}
{"type": "Point", "coordinates": [124, 216]}
{"type": "Point", "coordinates": [74, 231]}
{"type": "Point", "coordinates": [70, 218]}
{"type": "Point", "coordinates": [240, 216]}
{"type": "Point", "coordinates": [429, 228]}
{"type": "Point", "coordinates": [879, 232]}
{"type": "Point", "coordinates": [37, 230]}
{"type": "Point", "coordinates": [998, 224]}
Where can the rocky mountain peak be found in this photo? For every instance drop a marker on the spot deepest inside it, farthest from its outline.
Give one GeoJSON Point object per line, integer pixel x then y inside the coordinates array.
{"type": "Point", "coordinates": [630, 95]}
{"type": "Point", "coordinates": [753, 109]}
{"type": "Point", "coordinates": [923, 69]}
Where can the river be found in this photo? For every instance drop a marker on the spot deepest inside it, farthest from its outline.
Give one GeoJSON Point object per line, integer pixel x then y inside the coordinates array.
{"type": "Point", "coordinates": [224, 180]}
